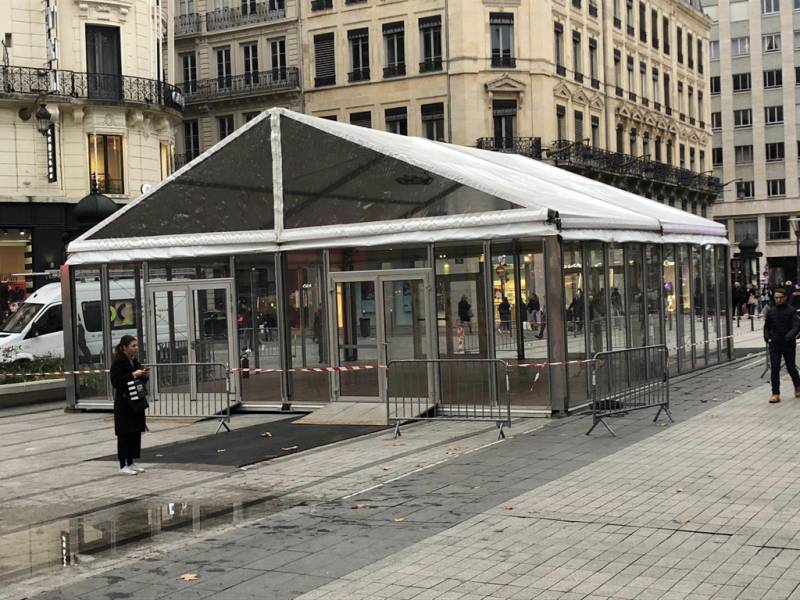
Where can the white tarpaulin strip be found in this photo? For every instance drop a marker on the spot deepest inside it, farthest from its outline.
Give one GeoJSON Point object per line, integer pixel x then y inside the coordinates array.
{"type": "Point", "coordinates": [620, 236]}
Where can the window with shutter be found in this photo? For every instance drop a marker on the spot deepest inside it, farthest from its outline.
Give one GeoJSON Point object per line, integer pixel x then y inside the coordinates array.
{"type": "Point", "coordinates": [324, 60]}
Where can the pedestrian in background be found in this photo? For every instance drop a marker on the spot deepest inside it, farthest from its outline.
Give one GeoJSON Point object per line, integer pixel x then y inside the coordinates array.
{"type": "Point", "coordinates": [129, 418]}
{"type": "Point", "coordinates": [738, 297]}
{"type": "Point", "coordinates": [781, 327]}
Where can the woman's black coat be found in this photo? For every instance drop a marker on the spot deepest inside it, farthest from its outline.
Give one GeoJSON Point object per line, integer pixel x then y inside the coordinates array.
{"type": "Point", "coordinates": [126, 420]}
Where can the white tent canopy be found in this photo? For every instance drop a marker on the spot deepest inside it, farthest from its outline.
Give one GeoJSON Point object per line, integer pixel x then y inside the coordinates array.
{"type": "Point", "coordinates": [289, 181]}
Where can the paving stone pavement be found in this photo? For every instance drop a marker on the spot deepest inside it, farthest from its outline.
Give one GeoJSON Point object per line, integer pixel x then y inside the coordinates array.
{"type": "Point", "coordinates": [701, 509]}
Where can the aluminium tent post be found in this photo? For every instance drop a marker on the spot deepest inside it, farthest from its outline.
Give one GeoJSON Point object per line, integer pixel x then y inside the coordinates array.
{"type": "Point", "coordinates": [554, 322]}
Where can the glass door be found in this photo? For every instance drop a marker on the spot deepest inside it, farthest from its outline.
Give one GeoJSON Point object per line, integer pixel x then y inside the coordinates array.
{"type": "Point", "coordinates": [376, 318]}
{"type": "Point", "coordinates": [190, 324]}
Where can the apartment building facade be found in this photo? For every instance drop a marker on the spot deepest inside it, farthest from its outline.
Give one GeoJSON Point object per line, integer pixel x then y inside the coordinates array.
{"type": "Point", "coordinates": [617, 91]}
{"type": "Point", "coordinates": [754, 77]}
{"type": "Point", "coordinates": [83, 107]}
{"type": "Point", "coordinates": [233, 59]}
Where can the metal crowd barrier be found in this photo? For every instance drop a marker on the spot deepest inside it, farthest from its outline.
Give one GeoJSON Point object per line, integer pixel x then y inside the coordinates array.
{"type": "Point", "coordinates": [198, 390]}
{"type": "Point", "coordinates": [448, 390]}
{"type": "Point", "coordinates": [627, 380]}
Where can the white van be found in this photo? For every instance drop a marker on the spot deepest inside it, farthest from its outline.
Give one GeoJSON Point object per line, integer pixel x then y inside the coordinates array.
{"type": "Point", "coordinates": [35, 329]}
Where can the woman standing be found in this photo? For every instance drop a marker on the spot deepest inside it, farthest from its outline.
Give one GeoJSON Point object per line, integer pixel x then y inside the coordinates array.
{"type": "Point", "coordinates": [129, 423]}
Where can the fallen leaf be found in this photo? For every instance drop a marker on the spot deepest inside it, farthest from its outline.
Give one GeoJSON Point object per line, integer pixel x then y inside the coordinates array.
{"type": "Point", "coordinates": [386, 468]}
{"type": "Point", "coordinates": [358, 506]}
{"type": "Point", "coordinates": [681, 520]}
{"type": "Point", "coordinates": [508, 508]}
{"type": "Point", "coordinates": [290, 448]}
{"type": "Point", "coordinates": [159, 455]}
{"type": "Point", "coordinates": [678, 491]}
{"type": "Point", "coordinates": [189, 577]}
{"type": "Point", "coordinates": [266, 434]}
{"type": "Point", "coordinates": [399, 519]}
{"type": "Point", "coordinates": [738, 391]}
{"type": "Point", "coordinates": [221, 450]}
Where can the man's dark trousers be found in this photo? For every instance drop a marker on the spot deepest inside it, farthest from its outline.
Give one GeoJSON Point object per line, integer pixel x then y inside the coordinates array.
{"type": "Point", "coordinates": [787, 351]}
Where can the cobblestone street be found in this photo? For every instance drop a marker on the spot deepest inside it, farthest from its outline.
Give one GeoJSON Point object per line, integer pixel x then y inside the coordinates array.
{"type": "Point", "coordinates": [705, 508]}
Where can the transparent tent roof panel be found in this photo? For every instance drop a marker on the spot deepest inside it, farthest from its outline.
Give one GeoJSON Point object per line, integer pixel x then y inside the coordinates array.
{"type": "Point", "coordinates": [343, 182]}
{"type": "Point", "coordinates": [230, 190]}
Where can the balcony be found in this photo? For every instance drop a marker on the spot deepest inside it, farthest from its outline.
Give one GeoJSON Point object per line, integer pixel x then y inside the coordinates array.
{"type": "Point", "coordinates": [525, 146]}
{"type": "Point", "coordinates": [504, 62]}
{"type": "Point", "coordinates": [657, 105]}
{"type": "Point", "coordinates": [91, 86]}
{"type": "Point", "coordinates": [645, 101]}
{"type": "Point", "coordinates": [631, 31]}
{"type": "Point", "coordinates": [592, 10]}
{"type": "Point", "coordinates": [618, 91]}
{"type": "Point", "coordinates": [578, 77]}
{"type": "Point", "coordinates": [561, 70]}
{"type": "Point", "coordinates": [234, 86]}
{"type": "Point", "coordinates": [631, 96]}
{"type": "Point", "coordinates": [358, 75]}
{"type": "Point", "coordinates": [395, 70]}
{"type": "Point", "coordinates": [188, 24]}
{"type": "Point", "coordinates": [596, 83]}
{"type": "Point", "coordinates": [321, 4]}
{"type": "Point", "coordinates": [431, 65]}
{"type": "Point", "coordinates": [245, 14]}
{"type": "Point", "coordinates": [628, 172]}
{"type": "Point", "coordinates": [617, 23]}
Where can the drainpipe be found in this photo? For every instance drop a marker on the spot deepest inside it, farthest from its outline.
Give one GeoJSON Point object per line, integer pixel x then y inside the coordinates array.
{"type": "Point", "coordinates": [447, 62]}
{"type": "Point", "coordinates": [604, 38]}
{"type": "Point", "coordinates": [301, 71]}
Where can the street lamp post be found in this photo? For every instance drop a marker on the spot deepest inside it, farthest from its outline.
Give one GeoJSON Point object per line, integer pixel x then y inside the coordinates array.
{"type": "Point", "coordinates": [795, 221]}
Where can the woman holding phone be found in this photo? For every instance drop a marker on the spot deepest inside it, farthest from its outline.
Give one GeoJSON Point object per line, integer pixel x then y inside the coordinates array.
{"type": "Point", "coordinates": [129, 417]}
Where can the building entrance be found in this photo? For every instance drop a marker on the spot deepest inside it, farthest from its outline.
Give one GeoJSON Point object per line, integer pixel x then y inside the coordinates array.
{"type": "Point", "coordinates": [191, 323]}
{"type": "Point", "coordinates": [377, 317]}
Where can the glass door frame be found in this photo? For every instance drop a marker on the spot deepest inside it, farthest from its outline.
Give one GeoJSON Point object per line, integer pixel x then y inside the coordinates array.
{"type": "Point", "coordinates": [378, 278]}
{"type": "Point", "coordinates": [189, 287]}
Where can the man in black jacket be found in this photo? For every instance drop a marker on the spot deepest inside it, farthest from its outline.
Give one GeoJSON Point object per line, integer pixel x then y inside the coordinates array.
{"type": "Point", "coordinates": [781, 327]}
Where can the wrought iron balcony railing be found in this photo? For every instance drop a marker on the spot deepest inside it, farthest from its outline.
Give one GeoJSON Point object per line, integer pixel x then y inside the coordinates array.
{"type": "Point", "coordinates": [92, 86]}
{"type": "Point", "coordinates": [526, 146]}
{"type": "Point", "coordinates": [188, 24]}
{"type": "Point", "coordinates": [573, 154]}
{"type": "Point", "coordinates": [254, 12]}
{"type": "Point", "coordinates": [275, 80]}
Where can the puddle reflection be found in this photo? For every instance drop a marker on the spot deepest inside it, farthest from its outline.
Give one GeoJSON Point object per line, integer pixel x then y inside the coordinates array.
{"type": "Point", "coordinates": [99, 534]}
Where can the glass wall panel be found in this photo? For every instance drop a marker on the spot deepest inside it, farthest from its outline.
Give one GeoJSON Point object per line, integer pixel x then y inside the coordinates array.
{"type": "Point", "coordinates": [378, 259]}
{"type": "Point", "coordinates": [305, 289]}
{"type": "Point", "coordinates": [709, 270]}
{"type": "Point", "coordinates": [177, 270]}
{"type": "Point", "coordinates": [504, 303]}
{"type": "Point", "coordinates": [596, 296]}
{"type": "Point", "coordinates": [616, 283]}
{"type": "Point", "coordinates": [461, 300]}
{"type": "Point", "coordinates": [637, 308]}
{"type": "Point", "coordinates": [685, 318]}
{"type": "Point", "coordinates": [257, 327]}
{"type": "Point", "coordinates": [670, 306]}
{"type": "Point", "coordinates": [654, 282]}
{"type": "Point", "coordinates": [90, 345]}
{"type": "Point", "coordinates": [531, 387]}
{"type": "Point", "coordinates": [357, 336]}
{"type": "Point", "coordinates": [698, 304]}
{"type": "Point", "coordinates": [721, 257]}
{"type": "Point", "coordinates": [126, 299]}
{"type": "Point", "coordinates": [575, 309]}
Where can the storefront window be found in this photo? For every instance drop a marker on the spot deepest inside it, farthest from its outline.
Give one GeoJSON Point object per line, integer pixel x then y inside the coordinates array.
{"type": "Point", "coordinates": [685, 318]}
{"type": "Point", "coordinates": [670, 306]}
{"type": "Point", "coordinates": [461, 301]}
{"type": "Point", "coordinates": [711, 296]}
{"type": "Point", "coordinates": [14, 243]}
{"type": "Point", "coordinates": [616, 283]}
{"type": "Point", "coordinates": [257, 328]}
{"type": "Point", "coordinates": [698, 304]}
{"type": "Point", "coordinates": [636, 295]}
{"type": "Point", "coordinates": [575, 313]}
{"type": "Point", "coordinates": [89, 343]}
{"type": "Point", "coordinates": [308, 324]}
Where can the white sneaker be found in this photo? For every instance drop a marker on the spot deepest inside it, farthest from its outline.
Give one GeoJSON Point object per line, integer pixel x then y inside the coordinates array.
{"type": "Point", "coordinates": [136, 468]}
{"type": "Point", "coordinates": [128, 471]}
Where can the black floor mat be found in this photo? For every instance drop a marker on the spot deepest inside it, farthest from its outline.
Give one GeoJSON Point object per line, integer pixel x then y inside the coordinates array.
{"type": "Point", "coordinates": [247, 445]}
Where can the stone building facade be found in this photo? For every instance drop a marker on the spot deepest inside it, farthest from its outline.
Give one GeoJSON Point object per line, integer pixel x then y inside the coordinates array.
{"type": "Point", "coordinates": [754, 96]}
{"type": "Point", "coordinates": [93, 69]}
{"type": "Point", "coordinates": [615, 90]}
{"type": "Point", "coordinates": [232, 60]}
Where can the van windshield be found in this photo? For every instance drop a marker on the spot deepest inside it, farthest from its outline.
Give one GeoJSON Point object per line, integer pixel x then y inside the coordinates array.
{"type": "Point", "coordinates": [17, 322]}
